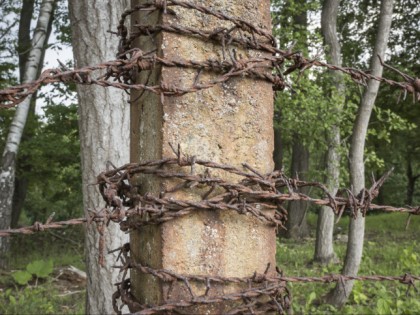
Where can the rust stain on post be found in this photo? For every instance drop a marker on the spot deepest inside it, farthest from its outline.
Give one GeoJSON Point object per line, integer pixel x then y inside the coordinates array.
{"type": "Point", "coordinates": [230, 123]}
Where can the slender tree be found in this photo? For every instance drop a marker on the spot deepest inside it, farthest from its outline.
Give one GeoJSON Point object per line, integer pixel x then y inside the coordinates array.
{"type": "Point", "coordinates": [297, 226]}
{"type": "Point", "coordinates": [23, 49]}
{"type": "Point", "coordinates": [411, 179]}
{"type": "Point", "coordinates": [324, 251]}
{"type": "Point", "coordinates": [357, 169]}
{"type": "Point", "coordinates": [104, 135]}
{"type": "Point", "coordinates": [8, 163]}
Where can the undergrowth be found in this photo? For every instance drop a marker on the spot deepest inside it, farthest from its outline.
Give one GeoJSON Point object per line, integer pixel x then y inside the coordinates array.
{"type": "Point", "coordinates": [48, 295]}
{"type": "Point", "coordinates": [389, 250]}
{"type": "Point", "coordinates": [42, 299]}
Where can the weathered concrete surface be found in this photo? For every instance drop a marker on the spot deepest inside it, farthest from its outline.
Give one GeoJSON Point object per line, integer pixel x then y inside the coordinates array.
{"type": "Point", "coordinates": [230, 123]}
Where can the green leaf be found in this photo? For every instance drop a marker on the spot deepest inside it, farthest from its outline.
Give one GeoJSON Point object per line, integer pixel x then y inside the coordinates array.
{"type": "Point", "coordinates": [360, 298]}
{"type": "Point", "coordinates": [12, 300]}
{"type": "Point", "coordinates": [40, 268]}
{"type": "Point", "coordinates": [22, 277]}
{"type": "Point", "coordinates": [382, 306]}
{"type": "Point", "coordinates": [311, 298]}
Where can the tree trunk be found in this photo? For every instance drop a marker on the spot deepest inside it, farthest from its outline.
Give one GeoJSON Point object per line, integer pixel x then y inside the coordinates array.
{"type": "Point", "coordinates": [278, 149]}
{"type": "Point", "coordinates": [8, 166]}
{"type": "Point", "coordinates": [324, 250]}
{"type": "Point", "coordinates": [297, 226]}
{"type": "Point", "coordinates": [24, 44]}
{"type": "Point", "coordinates": [24, 35]}
{"type": "Point", "coordinates": [23, 49]}
{"type": "Point", "coordinates": [411, 181]}
{"type": "Point", "coordinates": [19, 196]}
{"type": "Point", "coordinates": [104, 136]}
{"type": "Point", "coordinates": [357, 170]}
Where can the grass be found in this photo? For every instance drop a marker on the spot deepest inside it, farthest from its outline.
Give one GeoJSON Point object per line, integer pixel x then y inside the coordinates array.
{"type": "Point", "coordinates": [51, 295]}
{"type": "Point", "coordinates": [43, 299]}
{"type": "Point", "coordinates": [389, 250]}
{"type": "Point", "coordinates": [65, 247]}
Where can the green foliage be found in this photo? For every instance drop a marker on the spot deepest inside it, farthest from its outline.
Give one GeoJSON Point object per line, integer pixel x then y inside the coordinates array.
{"type": "Point", "coordinates": [40, 268]}
{"type": "Point", "coordinates": [37, 268]}
{"type": "Point", "coordinates": [40, 300]}
{"type": "Point", "coordinates": [393, 138]}
{"type": "Point", "coordinates": [38, 253]}
{"type": "Point", "coordinates": [410, 258]}
{"type": "Point", "coordinates": [62, 25]}
{"type": "Point", "coordinates": [56, 141]}
{"type": "Point", "coordinates": [48, 159]}
{"type": "Point", "coordinates": [63, 247]}
{"type": "Point", "coordinates": [22, 277]}
{"type": "Point", "coordinates": [53, 153]}
{"type": "Point", "coordinates": [9, 11]}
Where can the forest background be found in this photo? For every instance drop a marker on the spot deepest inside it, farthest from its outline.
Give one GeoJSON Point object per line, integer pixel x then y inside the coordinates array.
{"type": "Point", "coordinates": [48, 177]}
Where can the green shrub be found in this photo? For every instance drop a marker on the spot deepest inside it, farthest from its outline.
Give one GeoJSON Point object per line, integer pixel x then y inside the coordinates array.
{"type": "Point", "coordinates": [40, 300]}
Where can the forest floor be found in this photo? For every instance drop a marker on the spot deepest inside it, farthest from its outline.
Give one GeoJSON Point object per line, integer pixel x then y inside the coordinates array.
{"type": "Point", "coordinates": [390, 249]}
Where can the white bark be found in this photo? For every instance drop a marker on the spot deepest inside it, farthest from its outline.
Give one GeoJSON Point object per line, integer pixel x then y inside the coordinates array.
{"type": "Point", "coordinates": [104, 134]}
{"type": "Point", "coordinates": [8, 166]}
{"type": "Point", "coordinates": [357, 169]}
{"type": "Point", "coordinates": [324, 250]}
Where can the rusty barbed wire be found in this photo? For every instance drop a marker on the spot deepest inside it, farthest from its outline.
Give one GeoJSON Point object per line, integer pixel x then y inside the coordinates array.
{"type": "Point", "coordinates": [39, 227]}
{"type": "Point", "coordinates": [163, 5]}
{"type": "Point", "coordinates": [253, 303]}
{"type": "Point", "coordinates": [122, 70]}
{"type": "Point", "coordinates": [249, 196]}
{"type": "Point", "coordinates": [300, 63]}
{"type": "Point", "coordinates": [265, 284]}
{"type": "Point", "coordinates": [170, 276]}
{"type": "Point", "coordinates": [253, 193]}
{"type": "Point", "coordinates": [223, 36]}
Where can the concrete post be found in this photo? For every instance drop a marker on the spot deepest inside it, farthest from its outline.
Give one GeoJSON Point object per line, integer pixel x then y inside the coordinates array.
{"type": "Point", "coordinates": [231, 123]}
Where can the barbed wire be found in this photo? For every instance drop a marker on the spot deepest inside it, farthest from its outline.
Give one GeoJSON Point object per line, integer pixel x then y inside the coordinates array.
{"type": "Point", "coordinates": [122, 72]}
{"type": "Point", "coordinates": [253, 193]}
{"type": "Point", "coordinates": [224, 37]}
{"type": "Point", "coordinates": [253, 287]}
{"type": "Point", "coordinates": [132, 61]}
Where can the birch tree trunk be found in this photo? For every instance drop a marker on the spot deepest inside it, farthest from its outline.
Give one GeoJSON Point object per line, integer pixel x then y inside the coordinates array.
{"type": "Point", "coordinates": [104, 135]}
{"type": "Point", "coordinates": [324, 250]}
{"type": "Point", "coordinates": [8, 164]}
{"type": "Point", "coordinates": [24, 45]}
{"type": "Point", "coordinates": [357, 169]}
{"type": "Point", "coordinates": [24, 34]}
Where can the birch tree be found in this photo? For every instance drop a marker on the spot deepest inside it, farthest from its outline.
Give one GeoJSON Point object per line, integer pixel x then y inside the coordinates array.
{"type": "Point", "coordinates": [23, 49]}
{"type": "Point", "coordinates": [324, 251]}
{"type": "Point", "coordinates": [357, 169]}
{"type": "Point", "coordinates": [104, 135]}
{"type": "Point", "coordinates": [8, 163]}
